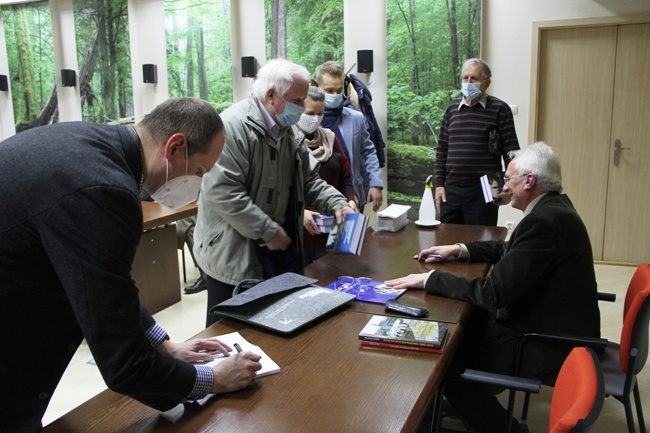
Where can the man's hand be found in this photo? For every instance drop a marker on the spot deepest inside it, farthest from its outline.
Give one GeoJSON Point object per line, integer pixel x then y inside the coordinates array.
{"type": "Point", "coordinates": [341, 212]}
{"type": "Point", "coordinates": [309, 222]}
{"type": "Point", "coordinates": [353, 205]}
{"type": "Point", "coordinates": [441, 197]}
{"type": "Point", "coordinates": [413, 281]}
{"type": "Point", "coordinates": [374, 196]}
{"type": "Point", "coordinates": [505, 198]}
{"type": "Point", "coordinates": [198, 350]}
{"type": "Point", "coordinates": [235, 372]}
{"type": "Point", "coordinates": [445, 252]}
{"type": "Point", "coordinates": [280, 241]}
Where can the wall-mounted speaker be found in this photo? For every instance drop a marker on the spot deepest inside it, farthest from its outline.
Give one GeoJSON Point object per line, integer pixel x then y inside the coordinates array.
{"type": "Point", "coordinates": [248, 67]}
{"type": "Point", "coordinates": [150, 73]}
{"type": "Point", "coordinates": [68, 78]}
{"type": "Point", "coordinates": [4, 83]}
{"type": "Point", "coordinates": [364, 61]}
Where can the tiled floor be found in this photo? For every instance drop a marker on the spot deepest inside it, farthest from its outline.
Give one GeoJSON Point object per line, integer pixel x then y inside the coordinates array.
{"type": "Point", "coordinates": [186, 318]}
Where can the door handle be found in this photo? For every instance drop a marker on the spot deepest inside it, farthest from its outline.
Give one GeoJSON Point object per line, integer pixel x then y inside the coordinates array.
{"type": "Point", "coordinates": [618, 148]}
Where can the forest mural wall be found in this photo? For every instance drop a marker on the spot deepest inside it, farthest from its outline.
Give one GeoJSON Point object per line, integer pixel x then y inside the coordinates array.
{"type": "Point", "coordinates": [428, 40]}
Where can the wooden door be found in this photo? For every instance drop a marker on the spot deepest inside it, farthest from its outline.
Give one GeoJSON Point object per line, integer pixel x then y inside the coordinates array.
{"type": "Point", "coordinates": [627, 225]}
{"type": "Point", "coordinates": [585, 102]}
{"type": "Point", "coordinates": [574, 115]}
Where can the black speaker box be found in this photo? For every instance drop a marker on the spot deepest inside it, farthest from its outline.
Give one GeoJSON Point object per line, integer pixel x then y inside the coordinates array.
{"type": "Point", "coordinates": [248, 67]}
{"type": "Point", "coordinates": [4, 83]}
{"type": "Point", "coordinates": [68, 78]}
{"type": "Point", "coordinates": [150, 73]}
{"type": "Point", "coordinates": [364, 61]}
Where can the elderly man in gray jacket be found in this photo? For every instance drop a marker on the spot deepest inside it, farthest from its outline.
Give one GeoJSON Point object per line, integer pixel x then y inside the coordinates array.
{"type": "Point", "coordinates": [251, 204]}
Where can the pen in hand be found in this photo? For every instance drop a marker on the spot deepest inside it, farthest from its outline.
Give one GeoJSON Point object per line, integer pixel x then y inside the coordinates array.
{"type": "Point", "coordinates": [428, 256]}
{"type": "Point", "coordinates": [238, 347]}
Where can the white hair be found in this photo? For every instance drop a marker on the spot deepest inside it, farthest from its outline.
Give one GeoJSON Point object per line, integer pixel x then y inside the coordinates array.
{"type": "Point", "coordinates": [278, 74]}
{"type": "Point", "coordinates": [542, 161]}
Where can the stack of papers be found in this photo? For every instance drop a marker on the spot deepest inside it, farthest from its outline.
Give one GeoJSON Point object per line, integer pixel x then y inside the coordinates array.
{"type": "Point", "coordinates": [392, 219]}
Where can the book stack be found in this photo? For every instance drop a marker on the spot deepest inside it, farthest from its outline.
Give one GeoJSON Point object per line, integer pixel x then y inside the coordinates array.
{"type": "Point", "coordinates": [403, 333]}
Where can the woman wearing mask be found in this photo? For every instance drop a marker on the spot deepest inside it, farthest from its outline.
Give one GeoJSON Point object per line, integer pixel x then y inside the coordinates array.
{"type": "Point", "coordinates": [334, 167]}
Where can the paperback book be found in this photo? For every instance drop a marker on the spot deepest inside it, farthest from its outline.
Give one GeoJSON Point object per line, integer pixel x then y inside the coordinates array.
{"type": "Point", "coordinates": [347, 237]}
{"type": "Point", "coordinates": [405, 332]}
{"type": "Point", "coordinates": [400, 346]}
{"type": "Point", "coordinates": [366, 290]}
{"type": "Point", "coordinates": [492, 185]}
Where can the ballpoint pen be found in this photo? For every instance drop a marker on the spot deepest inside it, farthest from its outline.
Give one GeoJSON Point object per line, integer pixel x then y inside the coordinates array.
{"type": "Point", "coordinates": [429, 256]}
{"type": "Point", "coordinates": [238, 347]}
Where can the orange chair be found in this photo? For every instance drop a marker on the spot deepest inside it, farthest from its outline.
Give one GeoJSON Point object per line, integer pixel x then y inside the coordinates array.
{"type": "Point", "coordinates": [622, 362]}
{"type": "Point", "coordinates": [578, 395]}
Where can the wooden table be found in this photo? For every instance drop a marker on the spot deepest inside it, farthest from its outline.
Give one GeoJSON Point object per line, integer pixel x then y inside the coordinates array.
{"type": "Point", "coordinates": [388, 255]}
{"type": "Point", "coordinates": [328, 382]}
{"type": "Point", "coordinates": [155, 266]}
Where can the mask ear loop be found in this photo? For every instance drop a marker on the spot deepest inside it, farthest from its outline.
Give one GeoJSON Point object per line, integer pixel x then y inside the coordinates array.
{"type": "Point", "coordinates": [187, 157]}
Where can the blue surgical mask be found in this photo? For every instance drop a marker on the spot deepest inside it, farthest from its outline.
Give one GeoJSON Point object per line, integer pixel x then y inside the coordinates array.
{"type": "Point", "coordinates": [333, 101]}
{"type": "Point", "coordinates": [471, 90]}
{"type": "Point", "coordinates": [291, 113]}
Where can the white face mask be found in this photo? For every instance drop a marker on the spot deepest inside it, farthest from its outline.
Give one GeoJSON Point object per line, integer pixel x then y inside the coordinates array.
{"type": "Point", "coordinates": [308, 123]}
{"type": "Point", "coordinates": [179, 191]}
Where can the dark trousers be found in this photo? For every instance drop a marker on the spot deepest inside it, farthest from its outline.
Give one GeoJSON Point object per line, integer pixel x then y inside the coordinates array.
{"type": "Point", "coordinates": [466, 205]}
{"type": "Point", "coordinates": [479, 349]}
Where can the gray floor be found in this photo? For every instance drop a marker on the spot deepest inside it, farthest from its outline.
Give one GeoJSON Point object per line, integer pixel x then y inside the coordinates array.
{"type": "Point", "coordinates": [184, 319]}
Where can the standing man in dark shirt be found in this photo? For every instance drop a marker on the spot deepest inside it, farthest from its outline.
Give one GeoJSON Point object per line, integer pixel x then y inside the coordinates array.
{"type": "Point", "coordinates": [463, 153]}
{"type": "Point", "coordinates": [70, 223]}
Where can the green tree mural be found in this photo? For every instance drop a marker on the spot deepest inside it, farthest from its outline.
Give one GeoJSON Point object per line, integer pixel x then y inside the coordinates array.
{"type": "Point", "coordinates": [428, 40]}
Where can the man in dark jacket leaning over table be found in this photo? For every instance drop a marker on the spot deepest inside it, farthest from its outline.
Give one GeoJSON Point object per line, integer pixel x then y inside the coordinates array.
{"type": "Point", "coordinates": [70, 223]}
{"type": "Point", "coordinates": [543, 281]}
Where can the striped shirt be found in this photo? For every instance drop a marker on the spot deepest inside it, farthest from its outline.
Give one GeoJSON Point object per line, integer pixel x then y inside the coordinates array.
{"type": "Point", "coordinates": [462, 154]}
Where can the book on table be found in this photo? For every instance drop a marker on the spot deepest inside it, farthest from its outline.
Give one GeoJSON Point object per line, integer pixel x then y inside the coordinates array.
{"type": "Point", "coordinates": [400, 346]}
{"type": "Point", "coordinates": [347, 237]}
{"type": "Point", "coordinates": [366, 289]}
{"type": "Point", "coordinates": [401, 332]}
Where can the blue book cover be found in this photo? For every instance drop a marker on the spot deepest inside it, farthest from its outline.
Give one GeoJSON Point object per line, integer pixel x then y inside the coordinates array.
{"type": "Point", "coordinates": [366, 290]}
{"type": "Point", "coordinates": [348, 236]}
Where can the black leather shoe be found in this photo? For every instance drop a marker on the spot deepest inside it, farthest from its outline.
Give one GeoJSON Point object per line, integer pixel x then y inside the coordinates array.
{"type": "Point", "coordinates": [197, 287]}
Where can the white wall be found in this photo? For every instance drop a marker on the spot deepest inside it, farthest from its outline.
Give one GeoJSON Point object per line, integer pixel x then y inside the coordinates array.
{"type": "Point", "coordinates": [369, 36]}
{"type": "Point", "coordinates": [248, 28]}
{"type": "Point", "coordinates": [148, 46]}
{"type": "Point", "coordinates": [507, 46]}
{"type": "Point", "coordinates": [7, 122]}
{"type": "Point", "coordinates": [63, 35]}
